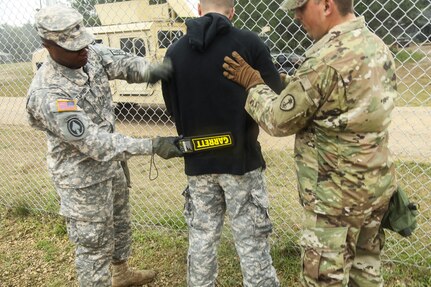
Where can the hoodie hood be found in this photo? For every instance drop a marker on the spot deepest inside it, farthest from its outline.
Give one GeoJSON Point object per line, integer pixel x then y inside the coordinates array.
{"type": "Point", "coordinates": [203, 30]}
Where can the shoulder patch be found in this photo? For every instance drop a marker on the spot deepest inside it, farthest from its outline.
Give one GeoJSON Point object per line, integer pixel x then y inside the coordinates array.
{"type": "Point", "coordinates": [75, 127]}
{"type": "Point", "coordinates": [65, 105]}
{"type": "Point", "coordinates": [287, 103]}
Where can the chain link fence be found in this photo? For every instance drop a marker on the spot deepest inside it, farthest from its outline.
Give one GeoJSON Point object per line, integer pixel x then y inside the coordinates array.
{"type": "Point", "coordinates": [147, 28]}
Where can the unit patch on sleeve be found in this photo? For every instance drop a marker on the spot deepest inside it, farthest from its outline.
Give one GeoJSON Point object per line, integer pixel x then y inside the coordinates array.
{"type": "Point", "coordinates": [75, 127]}
{"type": "Point", "coordinates": [287, 103]}
{"type": "Point", "coordinates": [65, 105]}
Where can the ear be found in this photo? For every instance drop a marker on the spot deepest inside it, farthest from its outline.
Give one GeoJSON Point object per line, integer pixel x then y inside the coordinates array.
{"type": "Point", "coordinates": [199, 9]}
{"type": "Point", "coordinates": [231, 13]}
{"type": "Point", "coordinates": [329, 7]}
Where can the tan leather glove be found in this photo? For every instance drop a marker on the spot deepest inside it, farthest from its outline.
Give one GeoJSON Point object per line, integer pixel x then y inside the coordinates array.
{"type": "Point", "coordinates": [239, 71]}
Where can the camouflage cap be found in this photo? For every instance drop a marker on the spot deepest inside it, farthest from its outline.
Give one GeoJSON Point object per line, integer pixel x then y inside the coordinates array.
{"type": "Point", "coordinates": [64, 26]}
{"type": "Point", "coordinates": [292, 4]}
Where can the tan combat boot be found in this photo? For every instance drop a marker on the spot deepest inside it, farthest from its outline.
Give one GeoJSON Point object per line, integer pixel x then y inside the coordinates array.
{"type": "Point", "coordinates": [122, 276]}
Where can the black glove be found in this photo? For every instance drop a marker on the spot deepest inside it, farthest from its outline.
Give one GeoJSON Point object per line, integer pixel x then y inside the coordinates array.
{"type": "Point", "coordinates": [166, 147]}
{"type": "Point", "coordinates": [159, 71]}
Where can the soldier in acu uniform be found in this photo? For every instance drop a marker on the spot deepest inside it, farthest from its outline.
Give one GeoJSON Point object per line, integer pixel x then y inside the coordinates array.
{"type": "Point", "coordinates": [71, 101]}
{"type": "Point", "coordinates": [339, 104]}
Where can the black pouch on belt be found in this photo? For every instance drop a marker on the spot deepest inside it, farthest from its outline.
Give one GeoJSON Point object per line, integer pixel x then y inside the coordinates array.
{"type": "Point", "coordinates": [401, 214]}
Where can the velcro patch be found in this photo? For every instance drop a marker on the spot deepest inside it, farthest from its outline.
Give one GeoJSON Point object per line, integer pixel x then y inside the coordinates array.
{"type": "Point", "coordinates": [118, 52]}
{"type": "Point", "coordinates": [75, 127]}
{"type": "Point", "coordinates": [65, 105]}
{"type": "Point", "coordinates": [287, 103]}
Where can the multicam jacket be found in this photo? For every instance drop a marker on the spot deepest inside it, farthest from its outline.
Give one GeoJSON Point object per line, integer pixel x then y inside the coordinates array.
{"type": "Point", "coordinates": [338, 104]}
{"type": "Point", "coordinates": [74, 108]}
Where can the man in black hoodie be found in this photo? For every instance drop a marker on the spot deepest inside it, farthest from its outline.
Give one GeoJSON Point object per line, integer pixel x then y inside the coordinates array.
{"type": "Point", "coordinates": [227, 174]}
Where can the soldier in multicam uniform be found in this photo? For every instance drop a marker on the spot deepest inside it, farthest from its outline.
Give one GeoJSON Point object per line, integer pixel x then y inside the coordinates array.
{"type": "Point", "coordinates": [227, 180]}
{"type": "Point", "coordinates": [71, 101]}
{"type": "Point", "coordinates": [339, 104]}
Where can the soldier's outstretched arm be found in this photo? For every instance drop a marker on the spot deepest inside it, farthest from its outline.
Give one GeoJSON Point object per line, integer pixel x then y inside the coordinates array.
{"type": "Point", "coordinates": [159, 71]}
{"type": "Point", "coordinates": [74, 127]}
{"type": "Point", "coordinates": [289, 112]}
{"type": "Point", "coordinates": [134, 69]}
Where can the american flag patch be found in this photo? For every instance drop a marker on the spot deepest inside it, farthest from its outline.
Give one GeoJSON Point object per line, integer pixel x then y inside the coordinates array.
{"type": "Point", "coordinates": [66, 105]}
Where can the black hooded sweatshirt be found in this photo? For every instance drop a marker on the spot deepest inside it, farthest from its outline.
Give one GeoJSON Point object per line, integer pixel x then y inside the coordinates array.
{"type": "Point", "coordinates": [202, 101]}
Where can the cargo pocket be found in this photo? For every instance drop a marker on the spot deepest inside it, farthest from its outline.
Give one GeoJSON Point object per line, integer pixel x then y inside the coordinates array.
{"type": "Point", "coordinates": [260, 215]}
{"type": "Point", "coordinates": [89, 234]}
{"type": "Point", "coordinates": [188, 207]}
{"type": "Point", "coordinates": [323, 253]}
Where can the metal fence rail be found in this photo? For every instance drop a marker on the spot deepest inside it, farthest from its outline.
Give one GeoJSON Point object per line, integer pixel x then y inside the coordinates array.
{"type": "Point", "coordinates": [404, 25]}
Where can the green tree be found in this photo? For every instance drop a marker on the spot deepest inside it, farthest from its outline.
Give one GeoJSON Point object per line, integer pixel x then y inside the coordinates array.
{"type": "Point", "coordinates": [285, 35]}
{"type": "Point", "coordinates": [88, 11]}
{"type": "Point", "coordinates": [389, 19]}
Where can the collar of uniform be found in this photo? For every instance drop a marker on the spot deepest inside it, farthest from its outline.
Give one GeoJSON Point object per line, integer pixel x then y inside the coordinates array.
{"type": "Point", "coordinates": [336, 31]}
{"type": "Point", "coordinates": [76, 76]}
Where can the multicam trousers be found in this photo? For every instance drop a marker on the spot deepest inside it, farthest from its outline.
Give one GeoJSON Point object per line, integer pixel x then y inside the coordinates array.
{"type": "Point", "coordinates": [99, 240]}
{"type": "Point", "coordinates": [342, 250]}
{"type": "Point", "coordinates": [245, 199]}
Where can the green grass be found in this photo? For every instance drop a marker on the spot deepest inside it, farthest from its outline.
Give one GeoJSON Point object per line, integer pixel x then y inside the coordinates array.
{"type": "Point", "coordinates": [160, 231]}
{"type": "Point", "coordinates": [414, 85]}
{"type": "Point", "coordinates": [15, 79]}
{"type": "Point", "coordinates": [21, 209]}
{"type": "Point", "coordinates": [25, 184]}
{"type": "Point", "coordinates": [48, 248]}
{"type": "Point", "coordinates": [31, 250]}
{"type": "Point", "coordinates": [413, 78]}
{"type": "Point", "coordinates": [34, 254]}
{"type": "Point", "coordinates": [404, 56]}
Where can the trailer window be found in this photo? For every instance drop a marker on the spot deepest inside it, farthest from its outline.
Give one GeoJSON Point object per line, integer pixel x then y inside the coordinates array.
{"type": "Point", "coordinates": [166, 38]}
{"type": "Point", "coordinates": [133, 45]}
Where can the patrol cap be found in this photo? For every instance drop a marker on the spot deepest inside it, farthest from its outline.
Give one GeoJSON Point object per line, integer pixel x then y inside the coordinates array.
{"type": "Point", "coordinates": [292, 4]}
{"type": "Point", "coordinates": [64, 26]}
